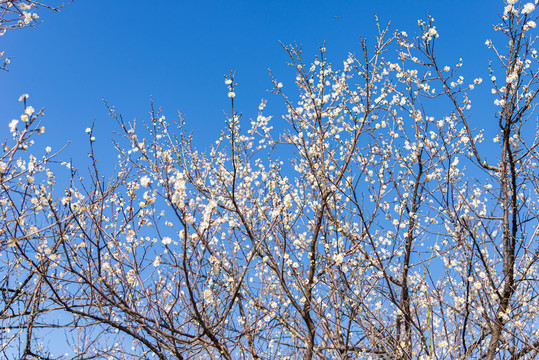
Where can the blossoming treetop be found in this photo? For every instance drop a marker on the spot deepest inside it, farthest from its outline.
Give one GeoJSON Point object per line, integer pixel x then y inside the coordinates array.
{"type": "Point", "coordinates": [394, 230]}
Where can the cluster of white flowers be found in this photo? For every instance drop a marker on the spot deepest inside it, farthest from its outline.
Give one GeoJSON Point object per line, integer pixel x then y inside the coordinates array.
{"type": "Point", "coordinates": [230, 84]}
{"type": "Point", "coordinates": [179, 195]}
{"type": "Point", "coordinates": [145, 181]}
{"type": "Point", "coordinates": [499, 102]}
{"type": "Point", "coordinates": [528, 8]}
{"type": "Point", "coordinates": [166, 240]}
{"type": "Point", "coordinates": [13, 125]}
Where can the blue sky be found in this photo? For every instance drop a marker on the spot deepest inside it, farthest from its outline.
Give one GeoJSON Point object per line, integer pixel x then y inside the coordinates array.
{"type": "Point", "coordinates": [179, 51]}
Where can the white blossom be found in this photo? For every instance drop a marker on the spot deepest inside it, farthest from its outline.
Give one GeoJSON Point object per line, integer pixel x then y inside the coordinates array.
{"type": "Point", "coordinates": [528, 8]}
{"type": "Point", "coordinates": [145, 181]}
{"type": "Point", "coordinates": [208, 296]}
{"type": "Point", "coordinates": [13, 125]}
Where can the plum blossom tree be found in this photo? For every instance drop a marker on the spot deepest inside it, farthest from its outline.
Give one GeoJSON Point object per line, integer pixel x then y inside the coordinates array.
{"type": "Point", "coordinates": [393, 230]}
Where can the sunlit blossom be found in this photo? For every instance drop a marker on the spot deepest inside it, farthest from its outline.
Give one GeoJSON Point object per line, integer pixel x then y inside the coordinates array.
{"type": "Point", "coordinates": [166, 240]}
{"type": "Point", "coordinates": [528, 8]}
{"type": "Point", "coordinates": [145, 181]}
{"type": "Point", "coordinates": [208, 296]}
{"type": "Point", "coordinates": [13, 125]}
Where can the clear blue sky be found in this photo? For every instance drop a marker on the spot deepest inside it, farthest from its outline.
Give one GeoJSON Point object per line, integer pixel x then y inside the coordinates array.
{"type": "Point", "coordinates": [178, 52]}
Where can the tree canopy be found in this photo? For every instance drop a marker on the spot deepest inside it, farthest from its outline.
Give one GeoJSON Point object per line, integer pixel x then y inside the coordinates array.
{"type": "Point", "coordinates": [372, 220]}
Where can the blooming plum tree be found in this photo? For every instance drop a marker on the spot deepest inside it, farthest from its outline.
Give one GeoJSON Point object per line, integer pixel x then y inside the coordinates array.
{"type": "Point", "coordinates": [394, 230]}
